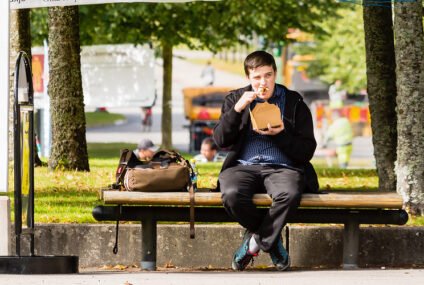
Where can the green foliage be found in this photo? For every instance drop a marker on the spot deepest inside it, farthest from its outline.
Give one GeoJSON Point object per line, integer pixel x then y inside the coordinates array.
{"type": "Point", "coordinates": [211, 25]}
{"type": "Point", "coordinates": [340, 51]}
{"type": "Point", "coordinates": [271, 19]}
{"type": "Point", "coordinates": [146, 22]}
{"type": "Point", "coordinates": [39, 28]}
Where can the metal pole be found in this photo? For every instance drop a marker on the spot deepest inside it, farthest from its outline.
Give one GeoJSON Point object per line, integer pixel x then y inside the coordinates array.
{"type": "Point", "coordinates": [350, 244]}
{"type": "Point", "coordinates": [148, 243]}
{"type": "Point", "coordinates": [31, 142]}
{"type": "Point", "coordinates": [23, 149]}
{"type": "Point", "coordinates": [17, 160]}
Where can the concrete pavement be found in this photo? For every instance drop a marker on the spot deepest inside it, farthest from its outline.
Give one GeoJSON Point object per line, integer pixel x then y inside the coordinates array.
{"type": "Point", "coordinates": [327, 277]}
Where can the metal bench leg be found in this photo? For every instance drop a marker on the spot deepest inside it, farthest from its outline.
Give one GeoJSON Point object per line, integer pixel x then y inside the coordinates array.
{"type": "Point", "coordinates": [350, 245]}
{"type": "Point", "coordinates": [148, 244]}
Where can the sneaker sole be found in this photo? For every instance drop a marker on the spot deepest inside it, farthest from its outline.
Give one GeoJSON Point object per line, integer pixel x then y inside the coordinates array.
{"type": "Point", "coordinates": [235, 266]}
{"type": "Point", "coordinates": [284, 268]}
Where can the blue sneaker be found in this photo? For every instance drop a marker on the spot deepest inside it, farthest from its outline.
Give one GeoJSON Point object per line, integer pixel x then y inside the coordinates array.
{"type": "Point", "coordinates": [242, 256]}
{"type": "Point", "coordinates": [279, 256]}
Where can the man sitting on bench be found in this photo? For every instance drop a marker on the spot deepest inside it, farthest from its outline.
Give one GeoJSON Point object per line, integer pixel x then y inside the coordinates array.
{"type": "Point", "coordinates": [270, 160]}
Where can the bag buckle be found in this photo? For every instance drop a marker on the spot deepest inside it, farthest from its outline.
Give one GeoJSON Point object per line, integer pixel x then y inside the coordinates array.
{"type": "Point", "coordinates": [164, 164]}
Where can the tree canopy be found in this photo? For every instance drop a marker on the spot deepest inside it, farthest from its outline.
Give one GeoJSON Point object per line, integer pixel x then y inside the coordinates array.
{"type": "Point", "coordinates": [340, 50]}
{"type": "Point", "coordinates": [211, 25]}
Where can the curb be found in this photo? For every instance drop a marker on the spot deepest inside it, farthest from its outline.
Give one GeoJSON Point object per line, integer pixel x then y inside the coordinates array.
{"type": "Point", "coordinates": [309, 246]}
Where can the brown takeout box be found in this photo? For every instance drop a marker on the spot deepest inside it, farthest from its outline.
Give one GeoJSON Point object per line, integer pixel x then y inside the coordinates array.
{"type": "Point", "coordinates": [264, 114]}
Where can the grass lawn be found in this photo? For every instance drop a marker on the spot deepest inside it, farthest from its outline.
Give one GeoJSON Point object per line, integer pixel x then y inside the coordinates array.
{"type": "Point", "coordinates": [99, 119]}
{"type": "Point", "coordinates": [70, 196]}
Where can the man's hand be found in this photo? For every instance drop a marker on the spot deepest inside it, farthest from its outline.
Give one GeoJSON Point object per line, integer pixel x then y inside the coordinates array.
{"type": "Point", "coordinates": [245, 100]}
{"type": "Point", "coordinates": [271, 131]}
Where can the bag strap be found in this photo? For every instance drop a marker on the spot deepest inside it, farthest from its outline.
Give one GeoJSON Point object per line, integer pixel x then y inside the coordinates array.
{"type": "Point", "coordinates": [115, 247]}
{"type": "Point", "coordinates": [122, 166]}
{"type": "Point", "coordinates": [192, 188]}
{"type": "Point", "coordinates": [191, 193]}
{"type": "Point", "coordinates": [172, 154]}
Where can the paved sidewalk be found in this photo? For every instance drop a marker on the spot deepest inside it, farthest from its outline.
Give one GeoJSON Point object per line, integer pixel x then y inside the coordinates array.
{"type": "Point", "coordinates": [327, 277]}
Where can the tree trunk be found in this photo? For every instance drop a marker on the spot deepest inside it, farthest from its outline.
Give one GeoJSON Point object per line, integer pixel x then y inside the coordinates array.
{"type": "Point", "coordinates": [69, 146]}
{"type": "Point", "coordinates": [167, 95]}
{"type": "Point", "coordinates": [410, 102]}
{"type": "Point", "coordinates": [20, 40]}
{"type": "Point", "coordinates": [381, 81]}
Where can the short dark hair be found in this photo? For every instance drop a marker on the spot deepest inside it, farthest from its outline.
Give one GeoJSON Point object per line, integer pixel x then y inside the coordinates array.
{"type": "Point", "coordinates": [257, 59]}
{"type": "Point", "coordinates": [209, 141]}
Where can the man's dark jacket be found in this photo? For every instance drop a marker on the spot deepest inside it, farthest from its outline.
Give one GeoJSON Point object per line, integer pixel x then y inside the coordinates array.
{"type": "Point", "coordinates": [296, 140]}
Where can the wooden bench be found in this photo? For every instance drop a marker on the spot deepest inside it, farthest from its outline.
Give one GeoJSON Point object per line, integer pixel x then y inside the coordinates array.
{"type": "Point", "coordinates": [350, 209]}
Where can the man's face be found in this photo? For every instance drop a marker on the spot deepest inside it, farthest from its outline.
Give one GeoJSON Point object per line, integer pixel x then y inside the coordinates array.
{"type": "Point", "coordinates": [263, 77]}
{"type": "Point", "coordinates": [207, 152]}
{"type": "Point", "coordinates": [145, 154]}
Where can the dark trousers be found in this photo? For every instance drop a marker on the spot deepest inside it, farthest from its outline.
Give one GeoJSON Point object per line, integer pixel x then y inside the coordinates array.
{"type": "Point", "coordinates": [238, 185]}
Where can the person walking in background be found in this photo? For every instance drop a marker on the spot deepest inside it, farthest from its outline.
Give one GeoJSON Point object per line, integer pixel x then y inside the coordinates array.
{"type": "Point", "coordinates": [337, 95]}
{"type": "Point", "coordinates": [146, 120]}
{"type": "Point", "coordinates": [273, 160]}
{"type": "Point", "coordinates": [340, 131]}
{"type": "Point", "coordinates": [208, 74]}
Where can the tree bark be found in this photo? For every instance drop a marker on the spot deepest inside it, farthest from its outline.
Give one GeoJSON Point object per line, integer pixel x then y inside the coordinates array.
{"type": "Point", "coordinates": [69, 146]}
{"type": "Point", "coordinates": [167, 96]}
{"type": "Point", "coordinates": [410, 102]}
{"type": "Point", "coordinates": [381, 85]}
{"type": "Point", "coordinates": [20, 40]}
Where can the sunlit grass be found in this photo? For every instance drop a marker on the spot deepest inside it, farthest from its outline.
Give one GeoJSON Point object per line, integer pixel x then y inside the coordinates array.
{"type": "Point", "coordinates": [98, 119]}
{"type": "Point", "coordinates": [66, 196]}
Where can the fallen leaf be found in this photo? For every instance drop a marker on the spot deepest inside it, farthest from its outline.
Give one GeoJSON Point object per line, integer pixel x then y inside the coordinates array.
{"type": "Point", "coordinates": [120, 267]}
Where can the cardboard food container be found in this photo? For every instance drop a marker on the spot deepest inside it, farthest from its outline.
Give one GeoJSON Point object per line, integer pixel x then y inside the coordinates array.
{"type": "Point", "coordinates": [264, 114]}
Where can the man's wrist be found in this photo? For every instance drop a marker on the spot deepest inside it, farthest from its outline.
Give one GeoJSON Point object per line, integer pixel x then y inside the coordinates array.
{"type": "Point", "coordinates": [237, 108]}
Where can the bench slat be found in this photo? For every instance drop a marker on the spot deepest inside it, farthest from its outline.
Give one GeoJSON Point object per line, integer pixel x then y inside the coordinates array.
{"type": "Point", "coordinates": [390, 200]}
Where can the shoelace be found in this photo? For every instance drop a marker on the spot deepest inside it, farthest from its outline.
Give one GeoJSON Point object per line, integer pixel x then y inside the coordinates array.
{"type": "Point", "coordinates": [248, 258]}
{"type": "Point", "coordinates": [252, 261]}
